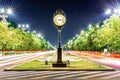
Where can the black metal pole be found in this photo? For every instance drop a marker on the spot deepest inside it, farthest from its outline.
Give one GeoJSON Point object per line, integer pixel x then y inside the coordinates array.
{"type": "Point", "coordinates": [59, 39]}
{"type": "Point", "coordinates": [59, 49]}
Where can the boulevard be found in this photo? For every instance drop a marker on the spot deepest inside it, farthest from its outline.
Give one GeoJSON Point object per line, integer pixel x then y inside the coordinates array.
{"type": "Point", "coordinates": [10, 61]}
{"type": "Point", "coordinates": [59, 40]}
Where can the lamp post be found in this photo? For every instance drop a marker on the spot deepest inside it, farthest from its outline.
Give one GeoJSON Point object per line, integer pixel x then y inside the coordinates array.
{"type": "Point", "coordinates": [4, 14]}
{"type": "Point", "coordinates": [112, 11]}
{"type": "Point", "coordinates": [24, 26]}
{"type": "Point", "coordinates": [59, 19]}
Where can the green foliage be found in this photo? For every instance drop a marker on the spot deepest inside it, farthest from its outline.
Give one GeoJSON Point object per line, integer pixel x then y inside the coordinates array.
{"type": "Point", "coordinates": [17, 39]}
{"type": "Point", "coordinates": [98, 37]}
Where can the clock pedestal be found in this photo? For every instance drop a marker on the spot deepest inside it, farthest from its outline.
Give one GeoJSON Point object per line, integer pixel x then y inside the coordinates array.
{"type": "Point", "coordinates": [59, 62]}
{"type": "Point", "coordinates": [59, 20]}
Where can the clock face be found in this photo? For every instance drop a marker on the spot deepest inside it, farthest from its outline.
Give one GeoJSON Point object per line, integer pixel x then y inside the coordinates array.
{"type": "Point", "coordinates": [59, 20]}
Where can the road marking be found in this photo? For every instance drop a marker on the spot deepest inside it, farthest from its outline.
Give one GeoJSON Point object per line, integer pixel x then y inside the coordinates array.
{"type": "Point", "coordinates": [98, 75]}
{"type": "Point", "coordinates": [53, 75]}
{"type": "Point", "coordinates": [23, 73]}
{"type": "Point", "coordinates": [34, 75]}
{"type": "Point", "coordinates": [72, 75]}
{"type": "Point", "coordinates": [8, 62]}
{"type": "Point", "coordinates": [61, 74]}
{"type": "Point", "coordinates": [111, 76]}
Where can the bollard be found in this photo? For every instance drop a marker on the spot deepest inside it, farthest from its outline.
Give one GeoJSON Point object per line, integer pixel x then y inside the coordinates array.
{"type": "Point", "coordinates": [46, 62]}
{"type": "Point", "coordinates": [68, 62]}
{"type": "Point", "coordinates": [0, 53]}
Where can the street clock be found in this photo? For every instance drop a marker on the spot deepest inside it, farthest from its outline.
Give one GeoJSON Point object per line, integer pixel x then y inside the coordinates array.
{"type": "Point", "coordinates": [59, 18]}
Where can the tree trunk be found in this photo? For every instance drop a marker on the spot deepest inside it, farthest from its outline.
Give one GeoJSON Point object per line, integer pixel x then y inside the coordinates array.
{"type": "Point", "coordinates": [4, 47]}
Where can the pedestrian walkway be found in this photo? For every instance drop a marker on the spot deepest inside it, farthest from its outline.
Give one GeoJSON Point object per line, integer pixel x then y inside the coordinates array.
{"type": "Point", "coordinates": [60, 75]}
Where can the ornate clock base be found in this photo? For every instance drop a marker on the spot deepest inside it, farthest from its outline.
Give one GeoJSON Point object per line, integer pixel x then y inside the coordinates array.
{"type": "Point", "coordinates": [59, 65]}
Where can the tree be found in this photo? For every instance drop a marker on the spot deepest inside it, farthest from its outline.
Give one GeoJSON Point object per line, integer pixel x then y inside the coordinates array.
{"type": "Point", "coordinates": [98, 37]}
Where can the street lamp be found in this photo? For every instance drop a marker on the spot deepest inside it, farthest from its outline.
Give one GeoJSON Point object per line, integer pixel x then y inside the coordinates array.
{"type": "Point", "coordinates": [82, 31]}
{"type": "Point", "coordinates": [4, 14]}
{"type": "Point", "coordinates": [113, 11]}
{"type": "Point", "coordinates": [34, 32]}
{"type": "Point", "coordinates": [73, 38]}
{"type": "Point", "coordinates": [97, 26]}
{"type": "Point", "coordinates": [90, 25]}
{"type": "Point", "coordinates": [76, 35]}
{"type": "Point", "coordinates": [39, 35]}
{"type": "Point", "coordinates": [23, 26]}
{"type": "Point", "coordinates": [59, 19]}
{"type": "Point", "coordinates": [9, 11]}
{"type": "Point", "coordinates": [108, 11]}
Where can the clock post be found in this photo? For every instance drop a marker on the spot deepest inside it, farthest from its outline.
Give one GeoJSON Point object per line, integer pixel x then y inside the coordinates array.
{"type": "Point", "coordinates": [59, 20]}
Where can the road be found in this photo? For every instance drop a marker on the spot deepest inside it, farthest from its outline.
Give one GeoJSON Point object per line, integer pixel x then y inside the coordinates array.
{"type": "Point", "coordinates": [50, 75]}
{"type": "Point", "coordinates": [60, 75]}
{"type": "Point", "coordinates": [8, 61]}
{"type": "Point", "coordinates": [111, 62]}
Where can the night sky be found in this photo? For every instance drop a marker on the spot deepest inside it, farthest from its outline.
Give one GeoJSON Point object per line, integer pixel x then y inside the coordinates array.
{"type": "Point", "coordinates": [39, 14]}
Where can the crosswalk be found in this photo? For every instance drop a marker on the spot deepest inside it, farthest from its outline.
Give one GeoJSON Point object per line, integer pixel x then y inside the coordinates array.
{"type": "Point", "coordinates": [60, 75]}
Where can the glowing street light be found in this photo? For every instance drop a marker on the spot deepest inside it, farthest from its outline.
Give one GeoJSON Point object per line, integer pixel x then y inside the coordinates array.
{"type": "Point", "coordinates": [28, 31]}
{"type": "Point", "coordinates": [6, 11]}
{"type": "Point", "coordinates": [27, 25]}
{"type": "Point", "coordinates": [73, 38]}
{"type": "Point", "coordinates": [68, 40]}
{"type": "Point", "coordinates": [90, 25]}
{"type": "Point", "coordinates": [97, 26]}
{"type": "Point", "coordinates": [4, 14]}
{"type": "Point", "coordinates": [9, 11]}
{"type": "Point", "coordinates": [113, 11]}
{"type": "Point", "coordinates": [19, 25]}
{"type": "Point", "coordinates": [23, 26]}
{"type": "Point", "coordinates": [2, 10]}
{"type": "Point", "coordinates": [108, 11]}
{"type": "Point", "coordinates": [82, 32]}
{"type": "Point", "coordinates": [118, 12]}
{"type": "Point", "coordinates": [34, 32]}
{"type": "Point", "coordinates": [39, 35]}
{"type": "Point", "coordinates": [77, 35]}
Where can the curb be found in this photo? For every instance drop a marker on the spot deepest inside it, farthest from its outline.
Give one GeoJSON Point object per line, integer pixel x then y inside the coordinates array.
{"type": "Point", "coordinates": [59, 70]}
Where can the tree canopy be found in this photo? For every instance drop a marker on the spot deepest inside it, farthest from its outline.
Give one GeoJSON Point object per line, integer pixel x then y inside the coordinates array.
{"type": "Point", "coordinates": [98, 37]}
{"type": "Point", "coordinates": [17, 39]}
